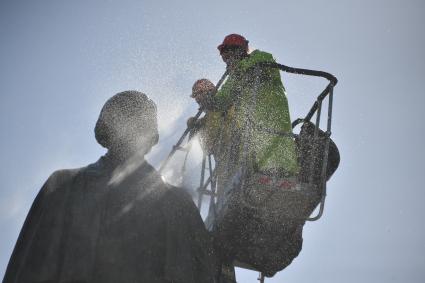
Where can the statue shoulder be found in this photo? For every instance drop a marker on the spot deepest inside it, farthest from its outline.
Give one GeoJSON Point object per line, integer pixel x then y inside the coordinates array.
{"type": "Point", "coordinates": [60, 178]}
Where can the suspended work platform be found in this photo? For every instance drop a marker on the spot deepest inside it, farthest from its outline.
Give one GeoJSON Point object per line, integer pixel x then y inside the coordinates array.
{"type": "Point", "coordinates": [257, 218]}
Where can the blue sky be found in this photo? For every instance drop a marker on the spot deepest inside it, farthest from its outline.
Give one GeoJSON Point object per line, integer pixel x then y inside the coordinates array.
{"type": "Point", "coordinates": [61, 60]}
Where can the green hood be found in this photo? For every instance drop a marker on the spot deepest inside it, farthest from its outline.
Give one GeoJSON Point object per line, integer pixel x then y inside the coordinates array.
{"type": "Point", "coordinates": [254, 58]}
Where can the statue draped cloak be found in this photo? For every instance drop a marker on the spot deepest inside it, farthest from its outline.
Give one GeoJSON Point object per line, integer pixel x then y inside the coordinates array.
{"type": "Point", "coordinates": [85, 228]}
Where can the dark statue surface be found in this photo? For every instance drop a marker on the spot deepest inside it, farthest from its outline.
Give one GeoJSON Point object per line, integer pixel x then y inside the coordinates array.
{"type": "Point", "coordinates": [112, 221]}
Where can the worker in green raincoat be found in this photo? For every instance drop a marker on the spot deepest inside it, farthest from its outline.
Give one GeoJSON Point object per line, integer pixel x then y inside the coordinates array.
{"type": "Point", "coordinates": [253, 100]}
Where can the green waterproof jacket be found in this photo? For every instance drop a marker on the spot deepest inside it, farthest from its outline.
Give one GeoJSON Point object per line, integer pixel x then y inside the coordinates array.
{"type": "Point", "coordinates": [253, 99]}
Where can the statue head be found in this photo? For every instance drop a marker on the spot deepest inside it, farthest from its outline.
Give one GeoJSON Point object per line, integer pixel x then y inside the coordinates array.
{"type": "Point", "coordinates": [127, 124]}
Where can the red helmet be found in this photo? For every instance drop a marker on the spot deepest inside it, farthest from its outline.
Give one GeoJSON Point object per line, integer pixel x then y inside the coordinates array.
{"type": "Point", "coordinates": [233, 40]}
